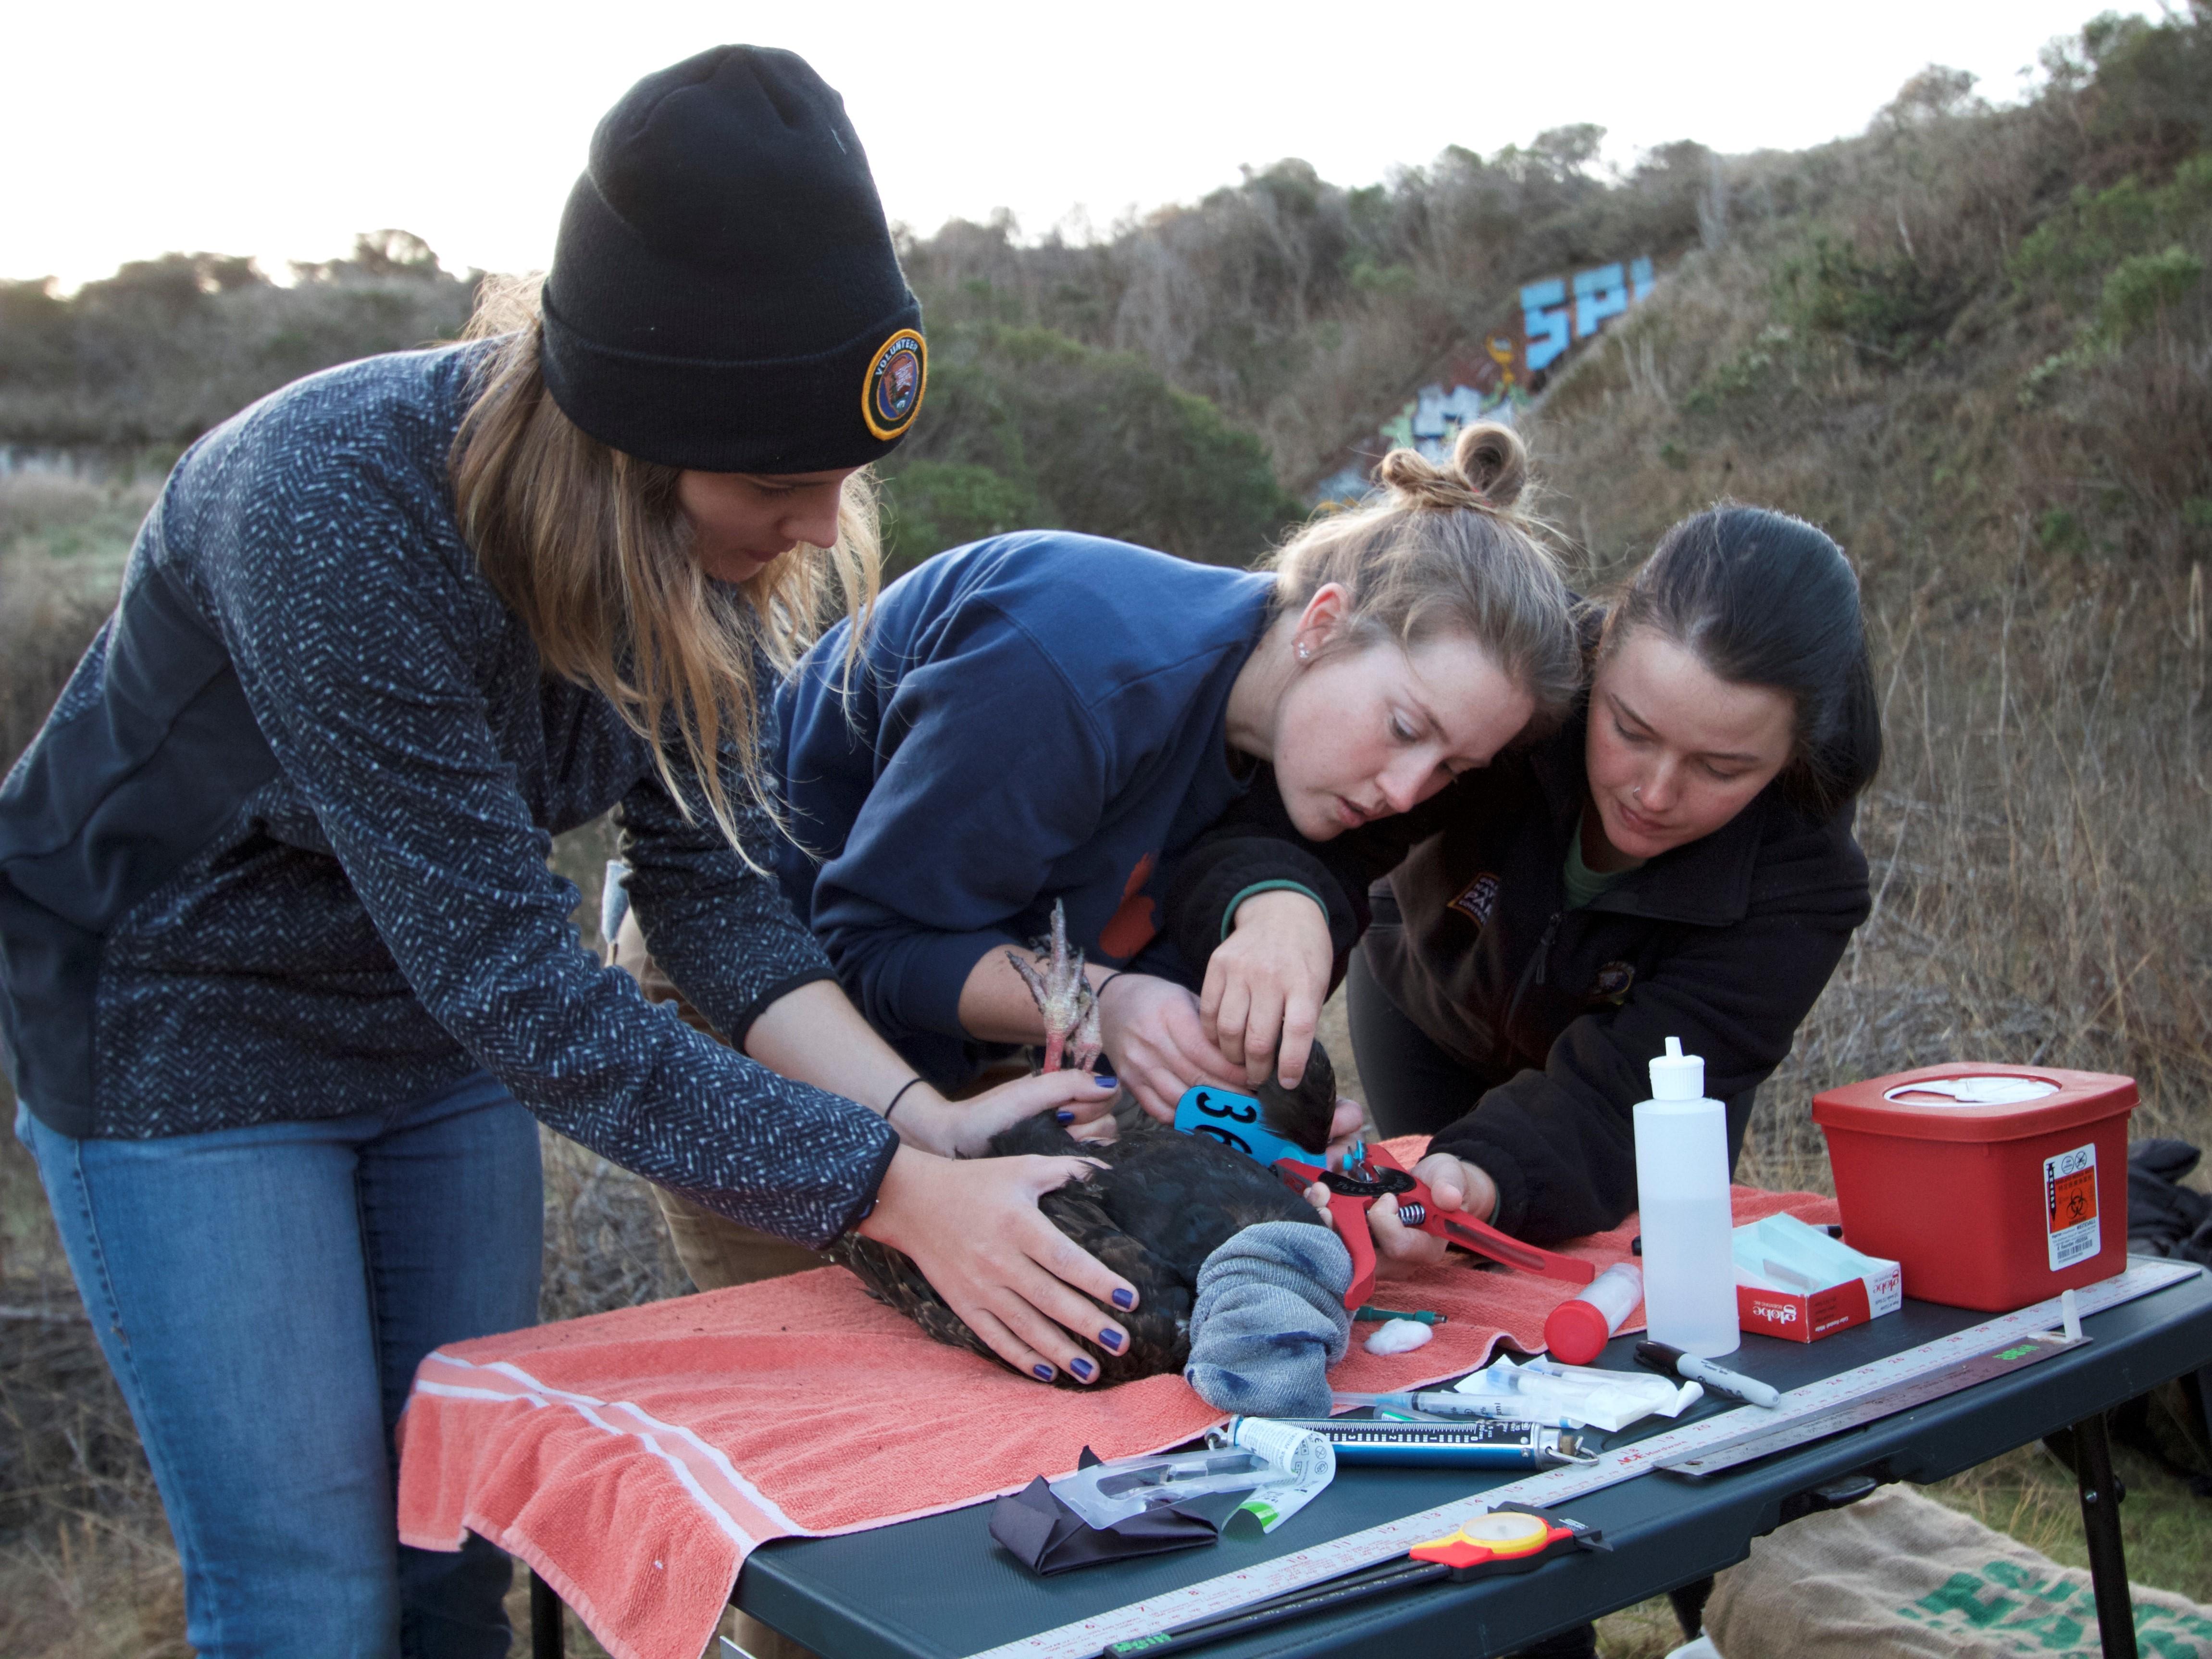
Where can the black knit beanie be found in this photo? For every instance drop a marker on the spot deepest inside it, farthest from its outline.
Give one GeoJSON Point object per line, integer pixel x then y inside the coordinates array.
{"type": "Point", "coordinates": [724, 295]}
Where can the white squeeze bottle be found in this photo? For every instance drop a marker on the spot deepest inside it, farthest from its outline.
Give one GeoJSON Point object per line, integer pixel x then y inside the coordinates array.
{"type": "Point", "coordinates": [1682, 1189]}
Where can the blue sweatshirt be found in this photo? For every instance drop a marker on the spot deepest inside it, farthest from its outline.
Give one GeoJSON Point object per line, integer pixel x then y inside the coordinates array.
{"type": "Point", "coordinates": [279, 852]}
{"type": "Point", "coordinates": [1039, 717]}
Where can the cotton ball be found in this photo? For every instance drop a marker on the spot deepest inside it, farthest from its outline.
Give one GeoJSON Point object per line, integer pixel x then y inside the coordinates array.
{"type": "Point", "coordinates": [1398, 1336]}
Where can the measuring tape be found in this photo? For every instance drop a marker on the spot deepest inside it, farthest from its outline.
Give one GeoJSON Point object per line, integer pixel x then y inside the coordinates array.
{"type": "Point", "coordinates": [1799, 1418]}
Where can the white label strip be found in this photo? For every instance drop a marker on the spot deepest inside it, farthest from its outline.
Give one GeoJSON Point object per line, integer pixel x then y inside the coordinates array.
{"type": "Point", "coordinates": [1265, 1579]}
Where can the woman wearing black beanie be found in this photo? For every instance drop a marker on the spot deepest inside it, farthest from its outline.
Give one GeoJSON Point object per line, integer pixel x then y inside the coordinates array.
{"type": "Point", "coordinates": [284, 975]}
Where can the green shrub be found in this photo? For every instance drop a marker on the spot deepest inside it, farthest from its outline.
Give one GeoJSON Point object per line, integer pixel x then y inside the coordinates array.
{"type": "Point", "coordinates": [1745, 372]}
{"type": "Point", "coordinates": [2070, 254]}
{"type": "Point", "coordinates": [1885, 307]}
{"type": "Point", "coordinates": [930, 505]}
{"type": "Point", "coordinates": [167, 348]}
{"type": "Point", "coordinates": [1025, 427]}
{"type": "Point", "coordinates": [2142, 288]}
{"type": "Point", "coordinates": [2067, 250]}
{"type": "Point", "coordinates": [2060, 532]}
{"type": "Point", "coordinates": [2155, 79]}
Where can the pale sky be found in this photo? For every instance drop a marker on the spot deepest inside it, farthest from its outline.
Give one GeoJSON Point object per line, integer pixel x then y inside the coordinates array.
{"type": "Point", "coordinates": [281, 129]}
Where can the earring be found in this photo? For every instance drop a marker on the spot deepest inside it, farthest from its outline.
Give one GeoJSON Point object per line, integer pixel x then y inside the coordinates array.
{"type": "Point", "coordinates": [1305, 651]}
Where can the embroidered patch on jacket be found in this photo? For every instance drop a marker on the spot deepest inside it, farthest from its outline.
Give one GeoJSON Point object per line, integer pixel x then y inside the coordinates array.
{"type": "Point", "coordinates": [1612, 981]}
{"type": "Point", "coordinates": [897, 374]}
{"type": "Point", "coordinates": [1478, 899]}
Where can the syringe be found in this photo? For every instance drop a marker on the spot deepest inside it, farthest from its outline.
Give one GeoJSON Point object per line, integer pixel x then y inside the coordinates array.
{"type": "Point", "coordinates": [1432, 1403]}
{"type": "Point", "coordinates": [1489, 1445]}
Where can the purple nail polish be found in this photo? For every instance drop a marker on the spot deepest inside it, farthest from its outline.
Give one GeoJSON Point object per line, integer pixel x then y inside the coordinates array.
{"type": "Point", "coordinates": [1064, 1117]}
{"type": "Point", "coordinates": [1110, 1340]}
{"type": "Point", "coordinates": [1125, 1300]}
{"type": "Point", "coordinates": [1083, 1369]}
{"type": "Point", "coordinates": [1044, 1372]}
{"type": "Point", "coordinates": [1107, 1082]}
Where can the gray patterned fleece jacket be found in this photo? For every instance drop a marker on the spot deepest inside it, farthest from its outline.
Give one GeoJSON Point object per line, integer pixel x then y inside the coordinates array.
{"type": "Point", "coordinates": [279, 852]}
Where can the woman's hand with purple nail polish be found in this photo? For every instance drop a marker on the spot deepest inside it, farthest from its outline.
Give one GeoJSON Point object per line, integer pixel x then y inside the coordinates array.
{"type": "Point", "coordinates": [973, 1227]}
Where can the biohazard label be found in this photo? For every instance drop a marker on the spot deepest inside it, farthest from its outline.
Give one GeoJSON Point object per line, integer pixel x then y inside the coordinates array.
{"type": "Point", "coordinates": [2070, 1205]}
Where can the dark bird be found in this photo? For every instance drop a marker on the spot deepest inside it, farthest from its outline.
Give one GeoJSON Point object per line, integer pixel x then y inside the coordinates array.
{"type": "Point", "coordinates": [1164, 1203]}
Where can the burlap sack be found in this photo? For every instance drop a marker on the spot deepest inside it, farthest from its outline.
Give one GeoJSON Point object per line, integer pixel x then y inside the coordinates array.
{"type": "Point", "coordinates": [1901, 1575]}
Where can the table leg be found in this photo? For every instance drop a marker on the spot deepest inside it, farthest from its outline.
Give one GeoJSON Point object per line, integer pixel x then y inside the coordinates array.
{"type": "Point", "coordinates": [1688, 1602]}
{"type": "Point", "coordinates": [547, 1639]}
{"type": "Point", "coordinates": [2100, 1521]}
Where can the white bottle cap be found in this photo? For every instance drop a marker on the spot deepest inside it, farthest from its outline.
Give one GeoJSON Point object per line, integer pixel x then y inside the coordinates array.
{"type": "Point", "coordinates": [1678, 1075]}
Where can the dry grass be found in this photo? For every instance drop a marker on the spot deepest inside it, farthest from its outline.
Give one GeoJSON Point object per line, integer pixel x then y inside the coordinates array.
{"type": "Point", "coordinates": [86, 1565]}
{"type": "Point", "coordinates": [1647, 1630]}
{"type": "Point", "coordinates": [2036, 847]}
{"type": "Point", "coordinates": [2036, 834]}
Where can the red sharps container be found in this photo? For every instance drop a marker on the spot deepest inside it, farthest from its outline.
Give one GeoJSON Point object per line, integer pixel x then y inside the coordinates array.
{"type": "Point", "coordinates": [1990, 1186]}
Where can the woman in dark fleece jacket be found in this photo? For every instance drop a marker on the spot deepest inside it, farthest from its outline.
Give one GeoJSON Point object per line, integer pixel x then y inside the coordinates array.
{"type": "Point", "coordinates": [286, 975]}
{"type": "Point", "coordinates": [1677, 861]}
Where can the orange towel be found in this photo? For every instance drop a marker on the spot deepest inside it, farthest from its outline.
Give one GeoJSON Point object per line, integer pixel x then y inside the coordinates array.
{"type": "Point", "coordinates": [636, 1458]}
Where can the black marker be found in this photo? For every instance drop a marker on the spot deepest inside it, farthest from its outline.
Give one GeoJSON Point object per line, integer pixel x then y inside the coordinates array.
{"type": "Point", "coordinates": [1673, 1362]}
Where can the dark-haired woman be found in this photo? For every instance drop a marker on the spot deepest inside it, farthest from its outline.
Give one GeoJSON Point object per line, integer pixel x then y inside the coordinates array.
{"type": "Point", "coordinates": [1677, 861]}
{"type": "Point", "coordinates": [286, 976]}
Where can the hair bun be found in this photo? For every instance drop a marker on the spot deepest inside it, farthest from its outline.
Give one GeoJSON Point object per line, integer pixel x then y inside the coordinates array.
{"type": "Point", "coordinates": [1488, 467]}
{"type": "Point", "coordinates": [1494, 462]}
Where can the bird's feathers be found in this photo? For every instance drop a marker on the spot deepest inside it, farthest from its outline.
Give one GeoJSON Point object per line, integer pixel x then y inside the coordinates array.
{"type": "Point", "coordinates": [1163, 1204]}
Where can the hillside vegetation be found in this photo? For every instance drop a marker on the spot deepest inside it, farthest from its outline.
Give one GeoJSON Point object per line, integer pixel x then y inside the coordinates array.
{"type": "Point", "coordinates": [1980, 352]}
{"type": "Point", "coordinates": [1973, 342]}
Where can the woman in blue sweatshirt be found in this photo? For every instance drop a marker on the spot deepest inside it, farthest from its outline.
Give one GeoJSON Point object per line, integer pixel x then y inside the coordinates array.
{"type": "Point", "coordinates": [1047, 717]}
{"type": "Point", "coordinates": [286, 975]}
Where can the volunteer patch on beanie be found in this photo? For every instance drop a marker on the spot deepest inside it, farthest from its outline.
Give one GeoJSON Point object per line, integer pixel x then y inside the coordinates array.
{"type": "Point", "coordinates": [897, 376]}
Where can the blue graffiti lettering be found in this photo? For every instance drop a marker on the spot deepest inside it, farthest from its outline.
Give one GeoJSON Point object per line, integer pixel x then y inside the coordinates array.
{"type": "Point", "coordinates": [1598, 294]}
{"type": "Point", "coordinates": [1545, 314]}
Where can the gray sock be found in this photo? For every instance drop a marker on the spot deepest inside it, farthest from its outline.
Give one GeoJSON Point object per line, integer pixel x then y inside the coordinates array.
{"type": "Point", "coordinates": [1270, 1320]}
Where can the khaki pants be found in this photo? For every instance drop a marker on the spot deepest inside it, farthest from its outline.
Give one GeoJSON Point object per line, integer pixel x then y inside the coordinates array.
{"type": "Point", "coordinates": [715, 1251]}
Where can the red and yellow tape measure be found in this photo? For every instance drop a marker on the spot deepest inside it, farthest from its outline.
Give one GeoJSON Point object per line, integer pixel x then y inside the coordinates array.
{"type": "Point", "coordinates": [1501, 1536]}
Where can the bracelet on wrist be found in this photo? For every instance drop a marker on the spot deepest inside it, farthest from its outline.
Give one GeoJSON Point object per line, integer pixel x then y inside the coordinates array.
{"type": "Point", "coordinates": [1099, 989]}
{"type": "Point", "coordinates": [900, 1096]}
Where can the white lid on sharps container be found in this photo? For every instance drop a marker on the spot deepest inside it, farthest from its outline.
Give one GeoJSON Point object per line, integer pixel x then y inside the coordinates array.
{"type": "Point", "coordinates": [1678, 1075]}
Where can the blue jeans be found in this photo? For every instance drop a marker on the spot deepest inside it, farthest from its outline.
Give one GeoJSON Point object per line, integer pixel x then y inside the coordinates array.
{"type": "Point", "coordinates": [262, 1296]}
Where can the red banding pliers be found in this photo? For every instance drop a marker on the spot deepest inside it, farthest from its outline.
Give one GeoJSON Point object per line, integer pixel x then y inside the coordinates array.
{"type": "Point", "coordinates": [1369, 1174]}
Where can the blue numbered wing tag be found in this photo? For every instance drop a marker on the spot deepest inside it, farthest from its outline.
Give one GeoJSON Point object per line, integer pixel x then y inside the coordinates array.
{"type": "Point", "coordinates": [1233, 1121]}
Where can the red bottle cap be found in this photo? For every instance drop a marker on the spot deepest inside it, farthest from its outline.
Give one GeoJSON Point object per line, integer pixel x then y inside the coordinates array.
{"type": "Point", "coordinates": [1575, 1333]}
